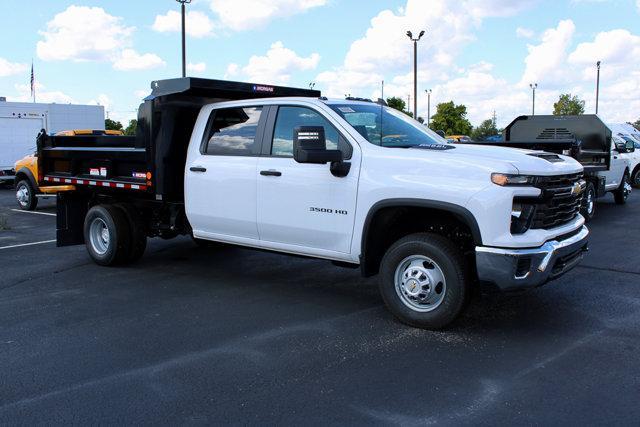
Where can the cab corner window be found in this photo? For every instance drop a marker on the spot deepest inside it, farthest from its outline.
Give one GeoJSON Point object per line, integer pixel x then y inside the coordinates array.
{"type": "Point", "coordinates": [291, 117]}
{"type": "Point", "coordinates": [233, 131]}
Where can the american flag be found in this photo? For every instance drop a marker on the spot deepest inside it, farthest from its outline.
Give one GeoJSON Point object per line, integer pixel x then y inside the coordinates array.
{"type": "Point", "coordinates": [33, 84]}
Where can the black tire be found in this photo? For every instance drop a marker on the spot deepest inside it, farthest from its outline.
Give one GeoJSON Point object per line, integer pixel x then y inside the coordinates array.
{"type": "Point", "coordinates": [635, 177]}
{"type": "Point", "coordinates": [138, 238]}
{"type": "Point", "coordinates": [451, 264]}
{"type": "Point", "coordinates": [26, 195]}
{"type": "Point", "coordinates": [588, 209]}
{"type": "Point", "coordinates": [622, 193]}
{"type": "Point", "coordinates": [116, 248]}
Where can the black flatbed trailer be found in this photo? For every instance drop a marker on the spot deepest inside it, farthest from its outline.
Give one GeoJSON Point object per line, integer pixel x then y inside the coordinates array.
{"type": "Point", "coordinates": [145, 170]}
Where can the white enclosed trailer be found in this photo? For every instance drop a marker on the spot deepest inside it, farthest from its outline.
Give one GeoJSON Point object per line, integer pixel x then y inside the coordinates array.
{"type": "Point", "coordinates": [20, 123]}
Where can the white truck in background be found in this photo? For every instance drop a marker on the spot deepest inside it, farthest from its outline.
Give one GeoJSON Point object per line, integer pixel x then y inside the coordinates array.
{"type": "Point", "coordinates": [20, 123]}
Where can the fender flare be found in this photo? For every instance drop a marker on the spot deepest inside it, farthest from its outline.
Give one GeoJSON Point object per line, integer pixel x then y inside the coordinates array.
{"type": "Point", "coordinates": [29, 175]}
{"type": "Point", "coordinates": [461, 213]}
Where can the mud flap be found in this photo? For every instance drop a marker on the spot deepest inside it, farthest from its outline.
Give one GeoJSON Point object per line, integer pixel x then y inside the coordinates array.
{"type": "Point", "coordinates": [71, 211]}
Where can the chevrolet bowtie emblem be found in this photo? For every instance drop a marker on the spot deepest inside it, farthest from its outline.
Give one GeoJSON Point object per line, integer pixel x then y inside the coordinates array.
{"type": "Point", "coordinates": [576, 189]}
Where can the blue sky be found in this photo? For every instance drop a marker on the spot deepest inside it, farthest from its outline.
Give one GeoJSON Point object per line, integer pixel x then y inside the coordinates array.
{"type": "Point", "coordinates": [482, 53]}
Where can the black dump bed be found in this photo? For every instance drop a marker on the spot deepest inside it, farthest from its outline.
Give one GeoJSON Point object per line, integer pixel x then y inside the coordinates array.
{"type": "Point", "coordinates": [585, 138]}
{"type": "Point", "coordinates": [152, 162]}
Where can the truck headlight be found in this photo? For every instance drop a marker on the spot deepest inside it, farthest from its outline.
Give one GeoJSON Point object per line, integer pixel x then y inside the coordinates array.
{"type": "Point", "coordinates": [503, 179]}
{"type": "Point", "coordinates": [521, 217]}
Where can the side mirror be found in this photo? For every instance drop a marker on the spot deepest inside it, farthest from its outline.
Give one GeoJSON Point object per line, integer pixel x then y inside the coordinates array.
{"type": "Point", "coordinates": [630, 147]}
{"type": "Point", "coordinates": [621, 147]}
{"type": "Point", "coordinates": [309, 146]}
{"type": "Point", "coordinates": [441, 133]}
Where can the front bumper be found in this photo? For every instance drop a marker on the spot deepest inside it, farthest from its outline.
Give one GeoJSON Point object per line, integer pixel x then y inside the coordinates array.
{"type": "Point", "coordinates": [514, 269]}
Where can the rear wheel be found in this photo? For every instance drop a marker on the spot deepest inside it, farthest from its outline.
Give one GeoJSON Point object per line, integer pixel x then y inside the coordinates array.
{"type": "Point", "coordinates": [423, 280]}
{"type": "Point", "coordinates": [588, 209]}
{"type": "Point", "coordinates": [107, 235]}
{"type": "Point", "coordinates": [622, 193]}
{"type": "Point", "coordinates": [26, 195]}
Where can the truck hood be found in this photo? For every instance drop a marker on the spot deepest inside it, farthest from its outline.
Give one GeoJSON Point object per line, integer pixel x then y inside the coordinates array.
{"type": "Point", "coordinates": [503, 159]}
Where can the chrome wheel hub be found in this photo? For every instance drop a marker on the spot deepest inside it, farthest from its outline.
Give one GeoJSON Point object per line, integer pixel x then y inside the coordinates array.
{"type": "Point", "coordinates": [99, 236]}
{"type": "Point", "coordinates": [590, 202]}
{"type": "Point", "coordinates": [420, 283]}
{"type": "Point", "coordinates": [22, 194]}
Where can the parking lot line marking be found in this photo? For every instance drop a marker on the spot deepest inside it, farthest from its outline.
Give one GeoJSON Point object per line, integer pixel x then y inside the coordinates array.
{"type": "Point", "coordinates": [34, 212]}
{"type": "Point", "coordinates": [27, 244]}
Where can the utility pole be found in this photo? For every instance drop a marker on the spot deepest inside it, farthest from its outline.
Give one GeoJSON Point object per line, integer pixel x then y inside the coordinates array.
{"type": "Point", "coordinates": [184, 41]}
{"type": "Point", "coordinates": [533, 87]}
{"type": "Point", "coordinates": [428, 106]}
{"type": "Point", "coordinates": [494, 119]}
{"type": "Point", "coordinates": [382, 90]}
{"type": "Point", "coordinates": [597, 85]}
{"type": "Point", "coordinates": [415, 71]}
{"type": "Point", "coordinates": [409, 103]}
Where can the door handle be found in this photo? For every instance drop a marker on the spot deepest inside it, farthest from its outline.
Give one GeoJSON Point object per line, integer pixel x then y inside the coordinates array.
{"type": "Point", "coordinates": [197, 169]}
{"type": "Point", "coordinates": [271, 173]}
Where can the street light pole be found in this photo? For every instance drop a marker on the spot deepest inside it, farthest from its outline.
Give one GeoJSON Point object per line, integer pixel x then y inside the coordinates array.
{"type": "Point", "coordinates": [184, 42]}
{"type": "Point", "coordinates": [428, 106]}
{"type": "Point", "coordinates": [415, 71]}
{"type": "Point", "coordinates": [597, 85]}
{"type": "Point", "coordinates": [533, 87]}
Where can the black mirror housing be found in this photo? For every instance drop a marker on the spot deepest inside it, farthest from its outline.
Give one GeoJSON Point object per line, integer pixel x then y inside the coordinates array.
{"type": "Point", "coordinates": [440, 132]}
{"type": "Point", "coordinates": [309, 146]}
{"type": "Point", "coordinates": [621, 147]}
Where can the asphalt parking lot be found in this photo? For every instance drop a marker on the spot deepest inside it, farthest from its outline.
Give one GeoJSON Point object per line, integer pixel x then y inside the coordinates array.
{"type": "Point", "coordinates": [202, 336]}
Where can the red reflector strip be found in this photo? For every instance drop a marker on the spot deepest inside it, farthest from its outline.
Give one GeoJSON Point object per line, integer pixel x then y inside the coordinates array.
{"type": "Point", "coordinates": [96, 183]}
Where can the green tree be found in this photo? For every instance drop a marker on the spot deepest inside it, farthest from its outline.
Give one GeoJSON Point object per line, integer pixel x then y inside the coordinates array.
{"type": "Point", "coordinates": [568, 105]}
{"type": "Point", "coordinates": [131, 129]}
{"type": "Point", "coordinates": [112, 125]}
{"type": "Point", "coordinates": [486, 128]}
{"type": "Point", "coordinates": [451, 118]}
{"type": "Point", "coordinates": [398, 103]}
{"type": "Point", "coordinates": [636, 124]}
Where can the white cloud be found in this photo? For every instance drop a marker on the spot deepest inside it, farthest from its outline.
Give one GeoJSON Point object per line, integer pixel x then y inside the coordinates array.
{"type": "Point", "coordinates": [42, 95]}
{"type": "Point", "coordinates": [198, 67]}
{"type": "Point", "coordinates": [197, 23]}
{"type": "Point", "coordinates": [545, 60]}
{"type": "Point", "coordinates": [103, 100]}
{"type": "Point", "coordinates": [524, 33]}
{"type": "Point", "coordinates": [276, 66]}
{"type": "Point", "coordinates": [131, 60]}
{"type": "Point", "coordinates": [83, 33]}
{"type": "Point", "coordinates": [241, 15]}
{"type": "Point", "coordinates": [10, 68]}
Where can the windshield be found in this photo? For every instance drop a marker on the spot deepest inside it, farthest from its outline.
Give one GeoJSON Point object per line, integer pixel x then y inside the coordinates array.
{"type": "Point", "coordinates": [386, 127]}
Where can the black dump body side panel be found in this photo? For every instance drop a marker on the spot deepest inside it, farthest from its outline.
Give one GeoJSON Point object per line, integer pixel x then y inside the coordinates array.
{"type": "Point", "coordinates": [165, 124]}
{"type": "Point", "coordinates": [586, 138]}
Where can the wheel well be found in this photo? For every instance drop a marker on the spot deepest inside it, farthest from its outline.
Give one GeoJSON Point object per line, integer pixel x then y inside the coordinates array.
{"type": "Point", "coordinates": [390, 223]}
{"type": "Point", "coordinates": [25, 174]}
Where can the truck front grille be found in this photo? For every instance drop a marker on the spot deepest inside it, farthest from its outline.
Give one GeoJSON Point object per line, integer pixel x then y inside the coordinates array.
{"type": "Point", "coordinates": [559, 204]}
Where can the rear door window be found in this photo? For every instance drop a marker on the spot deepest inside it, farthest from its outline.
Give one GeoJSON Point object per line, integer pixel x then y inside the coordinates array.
{"type": "Point", "coordinates": [233, 132]}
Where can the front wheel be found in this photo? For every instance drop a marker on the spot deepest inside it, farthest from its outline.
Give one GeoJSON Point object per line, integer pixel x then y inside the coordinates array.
{"type": "Point", "coordinates": [622, 193]}
{"type": "Point", "coordinates": [588, 209]}
{"type": "Point", "coordinates": [26, 195]}
{"type": "Point", "coordinates": [423, 280]}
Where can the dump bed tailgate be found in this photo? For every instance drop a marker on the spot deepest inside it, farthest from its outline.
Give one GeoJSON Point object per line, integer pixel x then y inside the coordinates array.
{"type": "Point", "coordinates": [108, 161]}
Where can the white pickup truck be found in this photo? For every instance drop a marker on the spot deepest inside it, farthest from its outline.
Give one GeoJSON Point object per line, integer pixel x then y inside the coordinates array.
{"type": "Point", "coordinates": [349, 181]}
